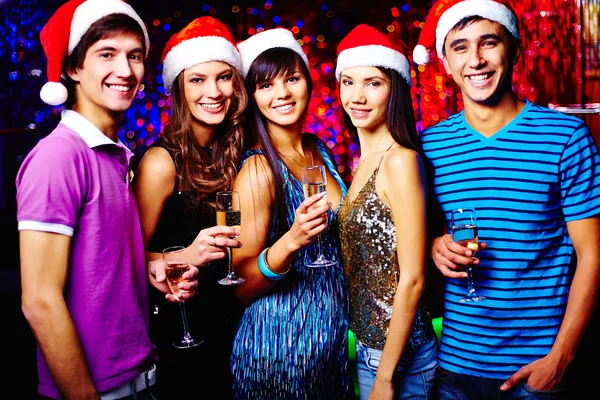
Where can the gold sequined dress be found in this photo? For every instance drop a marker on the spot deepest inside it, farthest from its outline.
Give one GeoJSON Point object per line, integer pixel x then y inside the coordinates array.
{"type": "Point", "coordinates": [368, 239]}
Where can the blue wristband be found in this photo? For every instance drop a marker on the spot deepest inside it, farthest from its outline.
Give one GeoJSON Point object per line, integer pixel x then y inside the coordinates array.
{"type": "Point", "coordinates": [264, 269]}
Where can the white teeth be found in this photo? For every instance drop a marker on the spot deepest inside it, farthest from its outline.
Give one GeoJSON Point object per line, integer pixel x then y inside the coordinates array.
{"type": "Point", "coordinates": [119, 88]}
{"type": "Point", "coordinates": [211, 105]}
{"type": "Point", "coordinates": [284, 107]}
{"type": "Point", "coordinates": [478, 78]}
{"type": "Point", "coordinates": [359, 112]}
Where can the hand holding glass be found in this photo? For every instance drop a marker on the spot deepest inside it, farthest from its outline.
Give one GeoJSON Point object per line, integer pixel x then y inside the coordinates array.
{"type": "Point", "coordinates": [175, 268]}
{"type": "Point", "coordinates": [314, 181]}
{"type": "Point", "coordinates": [464, 232]}
{"type": "Point", "coordinates": [229, 214]}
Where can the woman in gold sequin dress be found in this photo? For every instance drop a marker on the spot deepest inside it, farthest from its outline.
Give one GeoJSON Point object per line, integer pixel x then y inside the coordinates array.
{"type": "Point", "coordinates": [382, 221]}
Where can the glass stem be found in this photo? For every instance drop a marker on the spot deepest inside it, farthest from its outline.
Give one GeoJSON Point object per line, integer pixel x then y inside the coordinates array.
{"type": "Point", "coordinates": [320, 255]}
{"type": "Point", "coordinates": [230, 261]}
{"type": "Point", "coordinates": [470, 288]}
{"type": "Point", "coordinates": [186, 332]}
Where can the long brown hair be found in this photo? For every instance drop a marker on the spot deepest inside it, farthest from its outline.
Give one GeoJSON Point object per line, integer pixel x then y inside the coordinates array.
{"type": "Point", "coordinates": [198, 172]}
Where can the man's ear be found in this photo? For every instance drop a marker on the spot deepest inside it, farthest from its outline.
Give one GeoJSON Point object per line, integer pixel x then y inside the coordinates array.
{"type": "Point", "coordinates": [446, 66]}
{"type": "Point", "coordinates": [73, 74]}
{"type": "Point", "coordinates": [517, 54]}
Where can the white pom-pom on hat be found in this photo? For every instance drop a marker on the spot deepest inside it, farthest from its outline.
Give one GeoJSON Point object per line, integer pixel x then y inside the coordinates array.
{"type": "Point", "coordinates": [420, 55]}
{"type": "Point", "coordinates": [54, 93]}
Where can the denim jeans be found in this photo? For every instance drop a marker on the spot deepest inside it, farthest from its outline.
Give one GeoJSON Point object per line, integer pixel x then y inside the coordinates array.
{"type": "Point", "coordinates": [453, 386]}
{"type": "Point", "coordinates": [414, 377]}
{"type": "Point", "coordinates": [146, 394]}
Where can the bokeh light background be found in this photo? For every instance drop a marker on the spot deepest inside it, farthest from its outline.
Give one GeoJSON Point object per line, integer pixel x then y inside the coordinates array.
{"type": "Point", "coordinates": [560, 61]}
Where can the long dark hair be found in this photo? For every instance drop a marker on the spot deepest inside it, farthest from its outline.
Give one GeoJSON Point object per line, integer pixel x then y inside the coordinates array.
{"type": "Point", "coordinates": [197, 172]}
{"type": "Point", "coordinates": [400, 116]}
{"type": "Point", "coordinates": [268, 65]}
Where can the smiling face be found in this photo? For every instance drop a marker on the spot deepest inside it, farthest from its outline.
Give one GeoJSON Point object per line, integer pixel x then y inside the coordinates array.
{"type": "Point", "coordinates": [479, 59]}
{"type": "Point", "coordinates": [111, 74]}
{"type": "Point", "coordinates": [208, 92]}
{"type": "Point", "coordinates": [364, 93]}
{"type": "Point", "coordinates": [283, 99]}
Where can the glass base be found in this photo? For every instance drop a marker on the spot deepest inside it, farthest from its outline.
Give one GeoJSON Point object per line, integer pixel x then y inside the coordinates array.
{"type": "Point", "coordinates": [231, 280]}
{"type": "Point", "coordinates": [321, 262]}
{"type": "Point", "coordinates": [187, 342]}
{"type": "Point", "coordinates": [472, 298]}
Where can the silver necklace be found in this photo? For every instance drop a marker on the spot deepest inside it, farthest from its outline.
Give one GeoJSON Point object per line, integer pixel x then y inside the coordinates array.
{"type": "Point", "coordinates": [312, 161]}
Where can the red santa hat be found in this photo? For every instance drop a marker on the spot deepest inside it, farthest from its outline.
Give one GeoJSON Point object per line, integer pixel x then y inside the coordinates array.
{"type": "Point", "coordinates": [202, 40]}
{"type": "Point", "coordinates": [63, 32]}
{"type": "Point", "coordinates": [445, 14]}
{"type": "Point", "coordinates": [265, 40]}
{"type": "Point", "coordinates": [365, 46]}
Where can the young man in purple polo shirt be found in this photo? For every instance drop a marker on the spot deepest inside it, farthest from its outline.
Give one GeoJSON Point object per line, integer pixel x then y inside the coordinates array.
{"type": "Point", "coordinates": [83, 271]}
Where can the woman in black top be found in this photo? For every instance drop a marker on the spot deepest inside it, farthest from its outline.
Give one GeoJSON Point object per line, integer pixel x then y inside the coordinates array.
{"type": "Point", "coordinates": [175, 186]}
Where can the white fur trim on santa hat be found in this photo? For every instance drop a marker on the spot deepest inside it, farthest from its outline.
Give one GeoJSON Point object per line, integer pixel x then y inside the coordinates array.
{"type": "Point", "coordinates": [373, 56]}
{"type": "Point", "coordinates": [54, 93]}
{"type": "Point", "coordinates": [196, 51]}
{"type": "Point", "coordinates": [487, 9]}
{"type": "Point", "coordinates": [265, 40]}
{"type": "Point", "coordinates": [91, 11]}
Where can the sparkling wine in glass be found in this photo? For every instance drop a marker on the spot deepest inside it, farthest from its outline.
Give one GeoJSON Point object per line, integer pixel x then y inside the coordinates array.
{"type": "Point", "coordinates": [175, 268]}
{"type": "Point", "coordinates": [314, 181]}
{"type": "Point", "coordinates": [464, 232]}
{"type": "Point", "coordinates": [229, 214]}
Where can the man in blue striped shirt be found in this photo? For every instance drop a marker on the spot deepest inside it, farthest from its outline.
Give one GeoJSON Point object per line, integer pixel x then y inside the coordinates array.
{"type": "Point", "coordinates": [533, 176]}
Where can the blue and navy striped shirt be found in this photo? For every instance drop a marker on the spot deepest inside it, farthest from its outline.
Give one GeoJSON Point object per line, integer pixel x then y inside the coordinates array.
{"type": "Point", "coordinates": [525, 182]}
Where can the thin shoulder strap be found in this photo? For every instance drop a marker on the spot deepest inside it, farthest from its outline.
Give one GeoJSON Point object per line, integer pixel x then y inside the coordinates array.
{"type": "Point", "coordinates": [383, 155]}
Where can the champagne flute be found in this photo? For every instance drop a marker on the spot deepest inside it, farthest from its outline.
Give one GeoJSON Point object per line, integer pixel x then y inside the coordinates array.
{"type": "Point", "coordinates": [176, 267]}
{"type": "Point", "coordinates": [464, 232]}
{"type": "Point", "coordinates": [229, 214]}
{"type": "Point", "coordinates": [314, 181]}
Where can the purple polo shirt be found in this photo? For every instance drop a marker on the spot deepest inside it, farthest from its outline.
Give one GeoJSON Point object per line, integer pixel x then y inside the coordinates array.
{"type": "Point", "coordinates": [75, 182]}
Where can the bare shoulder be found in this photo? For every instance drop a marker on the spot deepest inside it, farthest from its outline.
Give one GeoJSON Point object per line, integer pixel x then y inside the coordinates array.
{"type": "Point", "coordinates": [255, 171]}
{"type": "Point", "coordinates": [157, 163]}
{"type": "Point", "coordinates": [400, 162]}
{"type": "Point", "coordinates": [156, 173]}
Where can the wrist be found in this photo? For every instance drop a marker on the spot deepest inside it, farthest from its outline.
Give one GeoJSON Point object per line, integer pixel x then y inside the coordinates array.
{"type": "Point", "coordinates": [290, 244]}
{"type": "Point", "coordinates": [266, 270]}
{"type": "Point", "coordinates": [384, 376]}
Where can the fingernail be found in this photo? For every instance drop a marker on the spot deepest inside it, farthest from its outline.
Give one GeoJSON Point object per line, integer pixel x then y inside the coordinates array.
{"type": "Point", "coordinates": [503, 387]}
{"type": "Point", "coordinates": [468, 253]}
{"type": "Point", "coordinates": [237, 232]}
{"type": "Point", "coordinates": [322, 194]}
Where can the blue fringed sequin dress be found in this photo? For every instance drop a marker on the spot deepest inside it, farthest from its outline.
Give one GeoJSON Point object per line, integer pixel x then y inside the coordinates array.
{"type": "Point", "coordinates": [292, 342]}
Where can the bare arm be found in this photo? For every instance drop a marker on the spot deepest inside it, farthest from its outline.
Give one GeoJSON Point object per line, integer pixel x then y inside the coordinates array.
{"type": "Point", "coordinates": [44, 267]}
{"type": "Point", "coordinates": [401, 184]}
{"type": "Point", "coordinates": [254, 184]}
{"type": "Point", "coordinates": [547, 373]}
{"type": "Point", "coordinates": [153, 184]}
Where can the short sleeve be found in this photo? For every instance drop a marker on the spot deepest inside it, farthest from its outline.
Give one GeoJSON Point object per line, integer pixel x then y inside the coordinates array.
{"type": "Point", "coordinates": [51, 187]}
{"type": "Point", "coordinates": [580, 176]}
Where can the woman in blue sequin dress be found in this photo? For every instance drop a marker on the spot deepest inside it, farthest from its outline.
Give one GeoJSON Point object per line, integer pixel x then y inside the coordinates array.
{"type": "Point", "coordinates": [291, 341]}
{"type": "Point", "coordinates": [383, 222]}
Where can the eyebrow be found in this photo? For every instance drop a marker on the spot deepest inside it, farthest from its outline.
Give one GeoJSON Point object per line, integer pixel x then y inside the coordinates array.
{"type": "Point", "coordinates": [110, 48]}
{"type": "Point", "coordinates": [369, 78]}
{"type": "Point", "coordinates": [201, 75]}
{"type": "Point", "coordinates": [481, 38]}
